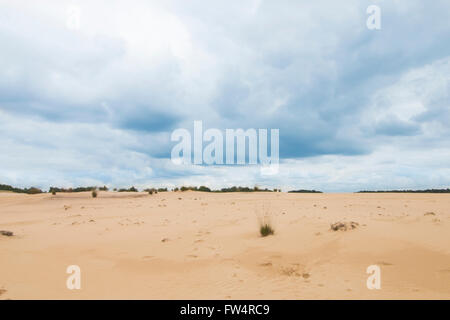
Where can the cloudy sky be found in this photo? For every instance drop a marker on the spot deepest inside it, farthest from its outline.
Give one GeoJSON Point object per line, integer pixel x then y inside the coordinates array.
{"type": "Point", "coordinates": [96, 103]}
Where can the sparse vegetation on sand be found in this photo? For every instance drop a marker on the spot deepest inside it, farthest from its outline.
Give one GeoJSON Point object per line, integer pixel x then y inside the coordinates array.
{"type": "Point", "coordinates": [94, 193]}
{"type": "Point", "coordinates": [344, 226]}
{"type": "Point", "coordinates": [151, 191]}
{"type": "Point", "coordinates": [6, 233]}
{"type": "Point", "coordinates": [32, 190]}
{"type": "Point", "coordinates": [265, 229]}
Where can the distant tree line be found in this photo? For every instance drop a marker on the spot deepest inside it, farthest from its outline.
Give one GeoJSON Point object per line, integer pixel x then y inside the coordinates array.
{"type": "Point", "coordinates": [231, 189]}
{"type": "Point", "coordinates": [32, 190]}
{"type": "Point", "coordinates": [77, 189]}
{"type": "Point", "coordinates": [54, 190]}
{"type": "Point", "coordinates": [304, 191]}
{"type": "Point", "coordinates": [408, 191]}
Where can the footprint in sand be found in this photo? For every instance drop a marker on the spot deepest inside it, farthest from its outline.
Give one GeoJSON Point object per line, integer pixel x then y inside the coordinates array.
{"type": "Point", "coordinates": [266, 264]}
{"type": "Point", "coordinates": [3, 291]}
{"type": "Point", "coordinates": [290, 272]}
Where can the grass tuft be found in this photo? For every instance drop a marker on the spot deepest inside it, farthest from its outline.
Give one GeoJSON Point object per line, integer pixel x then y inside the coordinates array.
{"type": "Point", "coordinates": [266, 229]}
{"type": "Point", "coordinates": [94, 193]}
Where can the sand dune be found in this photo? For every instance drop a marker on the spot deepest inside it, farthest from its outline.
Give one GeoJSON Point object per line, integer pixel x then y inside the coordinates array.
{"type": "Point", "coordinates": [192, 245]}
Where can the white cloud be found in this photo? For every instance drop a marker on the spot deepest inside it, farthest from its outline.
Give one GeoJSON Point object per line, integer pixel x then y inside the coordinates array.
{"type": "Point", "coordinates": [96, 105]}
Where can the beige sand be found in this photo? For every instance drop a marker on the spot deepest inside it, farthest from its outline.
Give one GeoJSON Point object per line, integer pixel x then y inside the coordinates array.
{"type": "Point", "coordinates": [196, 245]}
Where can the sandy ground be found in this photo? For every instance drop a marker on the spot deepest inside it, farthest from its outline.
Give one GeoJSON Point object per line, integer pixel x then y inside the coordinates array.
{"type": "Point", "coordinates": [192, 245]}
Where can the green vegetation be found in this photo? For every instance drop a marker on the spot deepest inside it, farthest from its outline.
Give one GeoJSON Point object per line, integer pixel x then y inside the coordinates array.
{"type": "Point", "coordinates": [78, 189]}
{"type": "Point", "coordinates": [32, 190]}
{"type": "Point", "coordinates": [408, 191]}
{"type": "Point", "coordinates": [201, 189]}
{"type": "Point", "coordinates": [232, 189]}
{"type": "Point", "coordinates": [151, 191]}
{"type": "Point", "coordinates": [304, 191]}
{"type": "Point", "coordinates": [132, 189]}
{"type": "Point", "coordinates": [266, 229]}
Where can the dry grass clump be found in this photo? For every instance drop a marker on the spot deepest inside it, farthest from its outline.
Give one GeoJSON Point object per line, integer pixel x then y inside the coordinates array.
{"type": "Point", "coordinates": [266, 230]}
{"type": "Point", "coordinates": [94, 193]}
{"type": "Point", "coordinates": [6, 233]}
{"type": "Point", "coordinates": [266, 227]}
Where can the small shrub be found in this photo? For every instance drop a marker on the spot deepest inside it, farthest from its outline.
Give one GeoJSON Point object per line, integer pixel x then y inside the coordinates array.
{"type": "Point", "coordinates": [33, 190]}
{"type": "Point", "coordinates": [204, 189]}
{"type": "Point", "coordinates": [94, 194]}
{"type": "Point", "coordinates": [150, 192]}
{"type": "Point", "coordinates": [266, 230]}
